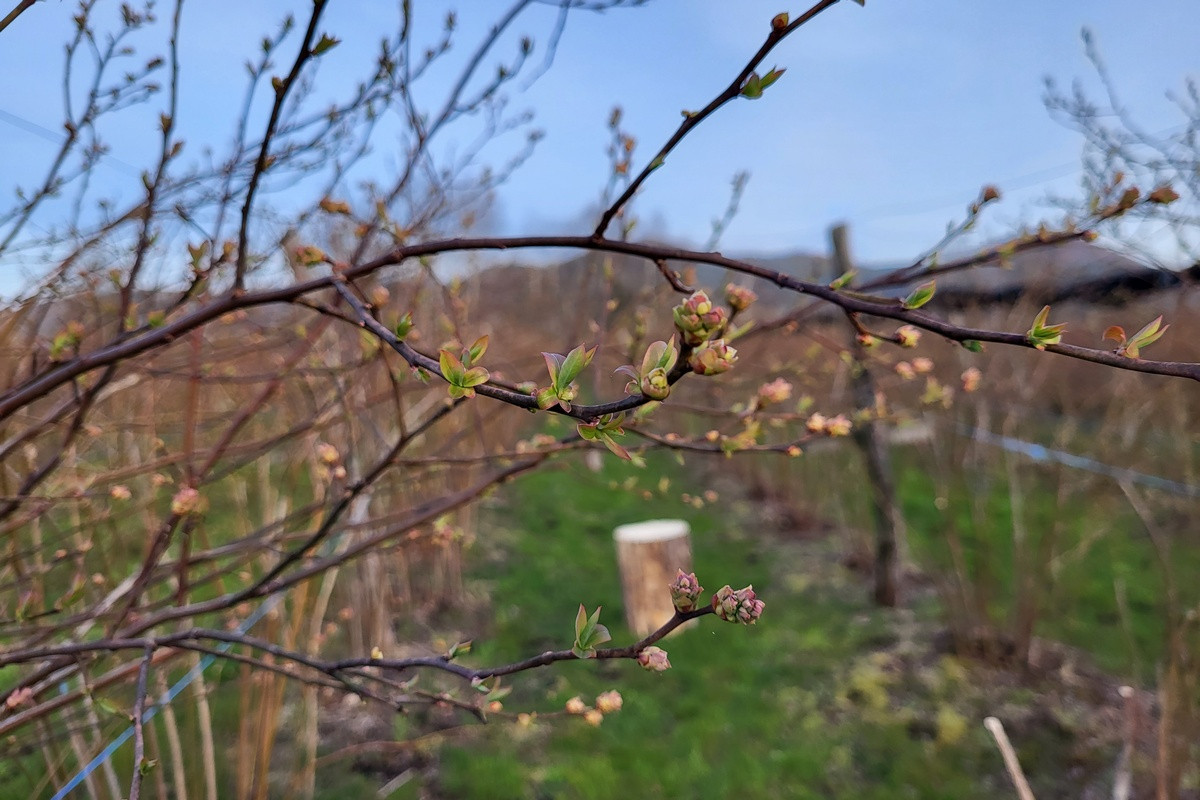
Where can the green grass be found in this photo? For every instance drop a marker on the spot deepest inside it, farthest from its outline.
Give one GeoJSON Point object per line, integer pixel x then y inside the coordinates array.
{"type": "Point", "coordinates": [792, 707]}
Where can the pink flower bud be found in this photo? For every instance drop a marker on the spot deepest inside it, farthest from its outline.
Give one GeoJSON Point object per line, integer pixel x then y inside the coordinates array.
{"type": "Point", "coordinates": [908, 336]}
{"type": "Point", "coordinates": [739, 297]}
{"type": "Point", "coordinates": [327, 454]}
{"type": "Point", "coordinates": [838, 426]}
{"type": "Point", "coordinates": [713, 358]}
{"type": "Point", "coordinates": [816, 423]}
{"type": "Point", "coordinates": [593, 717]}
{"type": "Point", "coordinates": [685, 590]}
{"type": "Point", "coordinates": [922, 365]}
{"type": "Point", "coordinates": [655, 384]}
{"type": "Point", "coordinates": [777, 391]}
{"type": "Point", "coordinates": [185, 501]}
{"type": "Point", "coordinates": [905, 370]}
{"type": "Point", "coordinates": [697, 319]}
{"type": "Point", "coordinates": [654, 659]}
{"type": "Point", "coordinates": [609, 702]}
{"type": "Point", "coordinates": [737, 606]}
{"type": "Point", "coordinates": [576, 705]}
{"type": "Point", "coordinates": [970, 379]}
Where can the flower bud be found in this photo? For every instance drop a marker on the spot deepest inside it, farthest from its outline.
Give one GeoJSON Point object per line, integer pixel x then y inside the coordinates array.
{"type": "Point", "coordinates": [816, 423]}
{"type": "Point", "coordinates": [609, 702]}
{"type": "Point", "coordinates": [838, 426]}
{"type": "Point", "coordinates": [922, 365]}
{"type": "Point", "coordinates": [327, 454]}
{"type": "Point", "coordinates": [739, 297]}
{"type": "Point", "coordinates": [970, 379]}
{"type": "Point", "coordinates": [737, 606]}
{"type": "Point", "coordinates": [654, 384]}
{"type": "Point", "coordinates": [185, 501]}
{"type": "Point", "coordinates": [593, 717]}
{"type": "Point", "coordinates": [685, 590]}
{"type": "Point", "coordinates": [697, 319]}
{"type": "Point", "coordinates": [907, 336]}
{"type": "Point", "coordinates": [713, 358]}
{"type": "Point", "coordinates": [576, 705]}
{"type": "Point", "coordinates": [905, 370]}
{"type": "Point", "coordinates": [654, 659]}
{"type": "Point", "coordinates": [777, 391]}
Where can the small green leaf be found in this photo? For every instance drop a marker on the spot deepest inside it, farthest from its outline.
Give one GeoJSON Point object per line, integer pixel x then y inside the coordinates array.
{"type": "Point", "coordinates": [581, 619]}
{"type": "Point", "coordinates": [614, 448]}
{"type": "Point", "coordinates": [843, 280]}
{"type": "Point", "coordinates": [1147, 336]}
{"type": "Point", "coordinates": [974, 345]}
{"type": "Point", "coordinates": [575, 362]}
{"type": "Point", "coordinates": [452, 367]}
{"type": "Point", "coordinates": [1042, 333]}
{"type": "Point", "coordinates": [920, 295]}
{"type": "Point", "coordinates": [553, 366]}
{"type": "Point", "coordinates": [325, 44]}
{"type": "Point", "coordinates": [476, 351]}
{"type": "Point", "coordinates": [404, 326]}
{"type": "Point", "coordinates": [475, 376]}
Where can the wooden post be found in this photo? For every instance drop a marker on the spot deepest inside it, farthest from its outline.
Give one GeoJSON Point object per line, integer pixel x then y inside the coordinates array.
{"type": "Point", "coordinates": [648, 555]}
{"type": "Point", "coordinates": [871, 440]}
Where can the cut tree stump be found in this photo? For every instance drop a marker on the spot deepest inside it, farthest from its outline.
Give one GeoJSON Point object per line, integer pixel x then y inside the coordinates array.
{"type": "Point", "coordinates": [648, 554]}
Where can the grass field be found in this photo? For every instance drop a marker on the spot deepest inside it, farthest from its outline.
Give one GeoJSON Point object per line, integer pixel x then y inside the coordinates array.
{"type": "Point", "coordinates": [825, 697]}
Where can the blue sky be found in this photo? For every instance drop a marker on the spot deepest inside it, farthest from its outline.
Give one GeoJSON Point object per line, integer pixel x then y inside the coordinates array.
{"type": "Point", "coordinates": [890, 117]}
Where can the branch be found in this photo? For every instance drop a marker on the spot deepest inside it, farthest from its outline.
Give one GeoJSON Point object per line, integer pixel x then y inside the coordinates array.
{"type": "Point", "coordinates": [153, 338]}
{"type": "Point", "coordinates": [21, 7]}
{"type": "Point", "coordinates": [260, 166]}
{"type": "Point", "coordinates": [692, 120]}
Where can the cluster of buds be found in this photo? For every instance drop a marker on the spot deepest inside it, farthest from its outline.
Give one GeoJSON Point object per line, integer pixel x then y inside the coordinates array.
{"type": "Point", "coordinates": [739, 297]}
{"type": "Point", "coordinates": [606, 703]}
{"type": "Point", "coordinates": [830, 426]}
{"type": "Point", "coordinates": [654, 659]}
{"type": "Point", "coordinates": [909, 370]}
{"type": "Point", "coordinates": [186, 501]}
{"type": "Point", "coordinates": [907, 336]}
{"type": "Point", "coordinates": [712, 358]}
{"type": "Point", "coordinates": [329, 462]}
{"type": "Point", "coordinates": [698, 320]}
{"type": "Point", "coordinates": [685, 591]}
{"type": "Point", "coordinates": [777, 391]}
{"type": "Point", "coordinates": [737, 606]}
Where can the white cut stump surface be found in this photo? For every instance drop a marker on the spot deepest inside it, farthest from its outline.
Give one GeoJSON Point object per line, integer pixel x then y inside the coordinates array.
{"type": "Point", "coordinates": [648, 555]}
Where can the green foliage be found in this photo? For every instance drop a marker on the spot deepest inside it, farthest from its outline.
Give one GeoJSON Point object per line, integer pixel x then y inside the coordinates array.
{"type": "Point", "coordinates": [563, 371]}
{"type": "Point", "coordinates": [1042, 333]}
{"type": "Point", "coordinates": [743, 712]}
{"type": "Point", "coordinates": [754, 86]}
{"type": "Point", "coordinates": [460, 373]}
{"type": "Point", "coordinates": [920, 295]}
{"type": "Point", "coordinates": [589, 633]}
{"type": "Point", "coordinates": [1132, 346]}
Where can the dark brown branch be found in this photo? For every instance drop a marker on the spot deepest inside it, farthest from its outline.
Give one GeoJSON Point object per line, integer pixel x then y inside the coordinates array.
{"type": "Point", "coordinates": [20, 8]}
{"type": "Point", "coordinates": [139, 736]}
{"type": "Point", "coordinates": [692, 120]}
{"type": "Point", "coordinates": [261, 164]}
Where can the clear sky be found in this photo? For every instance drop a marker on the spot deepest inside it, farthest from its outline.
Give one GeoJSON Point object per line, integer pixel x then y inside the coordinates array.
{"type": "Point", "coordinates": [890, 117]}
